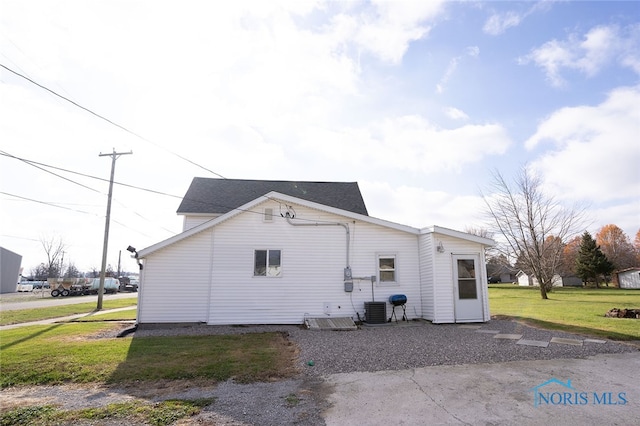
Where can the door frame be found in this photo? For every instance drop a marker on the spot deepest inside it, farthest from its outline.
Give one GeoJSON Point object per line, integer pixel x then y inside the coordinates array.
{"type": "Point", "coordinates": [479, 288]}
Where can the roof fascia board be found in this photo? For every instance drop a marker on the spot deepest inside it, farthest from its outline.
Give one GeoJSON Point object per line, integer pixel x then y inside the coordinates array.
{"type": "Point", "coordinates": [457, 234]}
{"type": "Point", "coordinates": [199, 214]}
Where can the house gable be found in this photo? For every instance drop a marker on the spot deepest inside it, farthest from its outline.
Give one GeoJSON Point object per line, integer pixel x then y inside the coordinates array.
{"type": "Point", "coordinates": [253, 207]}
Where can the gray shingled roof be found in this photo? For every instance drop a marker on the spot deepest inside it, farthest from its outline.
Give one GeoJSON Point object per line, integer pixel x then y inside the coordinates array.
{"type": "Point", "coordinates": [219, 196]}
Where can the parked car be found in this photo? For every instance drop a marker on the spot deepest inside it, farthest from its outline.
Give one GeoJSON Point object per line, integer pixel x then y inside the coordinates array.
{"type": "Point", "coordinates": [25, 287]}
{"type": "Point", "coordinates": [493, 280]}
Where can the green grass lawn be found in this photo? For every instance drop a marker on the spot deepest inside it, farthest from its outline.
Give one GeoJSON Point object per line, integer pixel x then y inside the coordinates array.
{"type": "Point", "coordinates": [36, 314]}
{"type": "Point", "coordinates": [576, 310]}
{"type": "Point", "coordinates": [75, 353]}
{"type": "Point", "coordinates": [128, 315]}
{"type": "Point", "coordinates": [138, 412]}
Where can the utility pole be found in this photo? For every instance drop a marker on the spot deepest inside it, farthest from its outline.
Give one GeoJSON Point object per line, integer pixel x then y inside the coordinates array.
{"type": "Point", "coordinates": [119, 258]}
{"type": "Point", "coordinates": [114, 156]}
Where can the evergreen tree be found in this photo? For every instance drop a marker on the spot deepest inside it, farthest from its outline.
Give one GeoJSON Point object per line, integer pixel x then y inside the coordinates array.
{"type": "Point", "coordinates": [591, 262]}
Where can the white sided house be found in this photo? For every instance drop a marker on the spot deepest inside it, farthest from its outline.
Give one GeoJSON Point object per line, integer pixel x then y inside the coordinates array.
{"type": "Point", "coordinates": [524, 280]}
{"type": "Point", "coordinates": [629, 278]}
{"type": "Point", "coordinates": [280, 258]}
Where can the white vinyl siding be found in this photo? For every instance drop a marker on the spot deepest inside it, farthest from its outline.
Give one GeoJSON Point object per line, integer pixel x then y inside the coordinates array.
{"type": "Point", "coordinates": [444, 289]}
{"type": "Point", "coordinates": [209, 276]}
{"type": "Point", "coordinates": [426, 249]}
{"type": "Point", "coordinates": [369, 241]}
{"type": "Point", "coordinates": [315, 258]}
{"type": "Point", "coordinates": [189, 222]}
{"type": "Point", "coordinates": [176, 282]}
{"type": "Point", "coordinates": [629, 279]}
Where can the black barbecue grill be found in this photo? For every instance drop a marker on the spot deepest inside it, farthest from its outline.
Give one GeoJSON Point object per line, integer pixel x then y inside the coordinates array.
{"type": "Point", "coordinates": [398, 300]}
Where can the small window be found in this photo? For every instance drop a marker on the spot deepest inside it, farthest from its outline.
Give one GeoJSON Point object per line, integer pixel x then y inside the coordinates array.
{"type": "Point", "coordinates": [266, 263]}
{"type": "Point", "coordinates": [387, 269]}
{"type": "Point", "coordinates": [467, 288]}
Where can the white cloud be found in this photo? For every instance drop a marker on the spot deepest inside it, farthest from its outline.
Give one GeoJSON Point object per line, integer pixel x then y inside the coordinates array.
{"type": "Point", "coordinates": [594, 152]}
{"type": "Point", "coordinates": [456, 114]}
{"type": "Point", "coordinates": [418, 207]}
{"type": "Point", "coordinates": [499, 23]}
{"type": "Point", "coordinates": [390, 26]}
{"type": "Point", "coordinates": [588, 54]}
{"type": "Point", "coordinates": [471, 51]}
{"type": "Point", "coordinates": [407, 143]}
{"type": "Point", "coordinates": [625, 214]}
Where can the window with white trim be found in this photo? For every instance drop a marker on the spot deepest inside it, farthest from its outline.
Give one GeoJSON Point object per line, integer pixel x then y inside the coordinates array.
{"type": "Point", "coordinates": [267, 263]}
{"type": "Point", "coordinates": [386, 269]}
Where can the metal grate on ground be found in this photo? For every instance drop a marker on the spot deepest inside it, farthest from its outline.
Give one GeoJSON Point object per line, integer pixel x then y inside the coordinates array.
{"type": "Point", "coordinates": [337, 323]}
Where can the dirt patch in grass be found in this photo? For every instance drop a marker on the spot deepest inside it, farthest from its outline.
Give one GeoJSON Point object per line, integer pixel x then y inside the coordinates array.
{"type": "Point", "coordinates": [285, 366]}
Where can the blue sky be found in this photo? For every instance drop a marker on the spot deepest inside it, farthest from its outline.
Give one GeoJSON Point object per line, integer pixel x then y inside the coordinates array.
{"type": "Point", "coordinates": [416, 101]}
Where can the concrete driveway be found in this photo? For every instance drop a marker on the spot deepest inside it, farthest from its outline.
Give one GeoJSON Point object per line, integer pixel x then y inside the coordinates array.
{"type": "Point", "coordinates": [600, 390]}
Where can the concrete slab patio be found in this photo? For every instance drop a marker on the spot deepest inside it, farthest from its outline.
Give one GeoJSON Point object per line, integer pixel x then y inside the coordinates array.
{"type": "Point", "coordinates": [604, 389]}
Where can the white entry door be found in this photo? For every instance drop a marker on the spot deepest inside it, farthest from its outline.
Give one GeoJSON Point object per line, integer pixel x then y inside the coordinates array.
{"type": "Point", "coordinates": [468, 291]}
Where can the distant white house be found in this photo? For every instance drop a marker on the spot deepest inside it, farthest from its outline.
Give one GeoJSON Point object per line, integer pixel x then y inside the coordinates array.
{"type": "Point", "coordinates": [525, 280]}
{"type": "Point", "coordinates": [629, 278]}
{"type": "Point", "coordinates": [277, 252]}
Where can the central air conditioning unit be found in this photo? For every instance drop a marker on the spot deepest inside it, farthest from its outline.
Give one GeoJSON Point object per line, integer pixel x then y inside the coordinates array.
{"type": "Point", "coordinates": [375, 312]}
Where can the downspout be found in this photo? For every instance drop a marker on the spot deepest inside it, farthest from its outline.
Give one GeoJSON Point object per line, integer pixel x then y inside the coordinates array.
{"type": "Point", "coordinates": [287, 216]}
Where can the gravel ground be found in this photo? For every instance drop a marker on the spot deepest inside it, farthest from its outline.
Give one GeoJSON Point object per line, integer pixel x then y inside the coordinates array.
{"type": "Point", "coordinates": [301, 400]}
{"type": "Point", "coordinates": [412, 344]}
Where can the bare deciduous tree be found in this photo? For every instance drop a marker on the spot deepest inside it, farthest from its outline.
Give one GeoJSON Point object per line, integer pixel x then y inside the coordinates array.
{"type": "Point", "coordinates": [532, 224]}
{"type": "Point", "coordinates": [479, 232]}
{"type": "Point", "coordinates": [54, 248]}
{"type": "Point", "coordinates": [40, 272]}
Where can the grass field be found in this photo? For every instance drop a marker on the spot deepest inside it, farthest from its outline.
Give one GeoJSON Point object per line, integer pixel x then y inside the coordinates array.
{"type": "Point", "coordinates": [575, 310]}
{"type": "Point", "coordinates": [36, 314]}
{"type": "Point", "coordinates": [69, 352]}
{"type": "Point", "coordinates": [138, 412]}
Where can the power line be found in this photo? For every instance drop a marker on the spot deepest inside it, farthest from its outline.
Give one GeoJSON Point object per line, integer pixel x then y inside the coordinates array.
{"type": "Point", "coordinates": [153, 191]}
{"type": "Point", "coordinates": [48, 203]}
{"type": "Point", "coordinates": [47, 171]}
{"type": "Point", "coordinates": [19, 238]}
{"type": "Point", "coordinates": [31, 162]}
{"type": "Point", "coordinates": [113, 123]}
{"type": "Point", "coordinates": [60, 206]}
